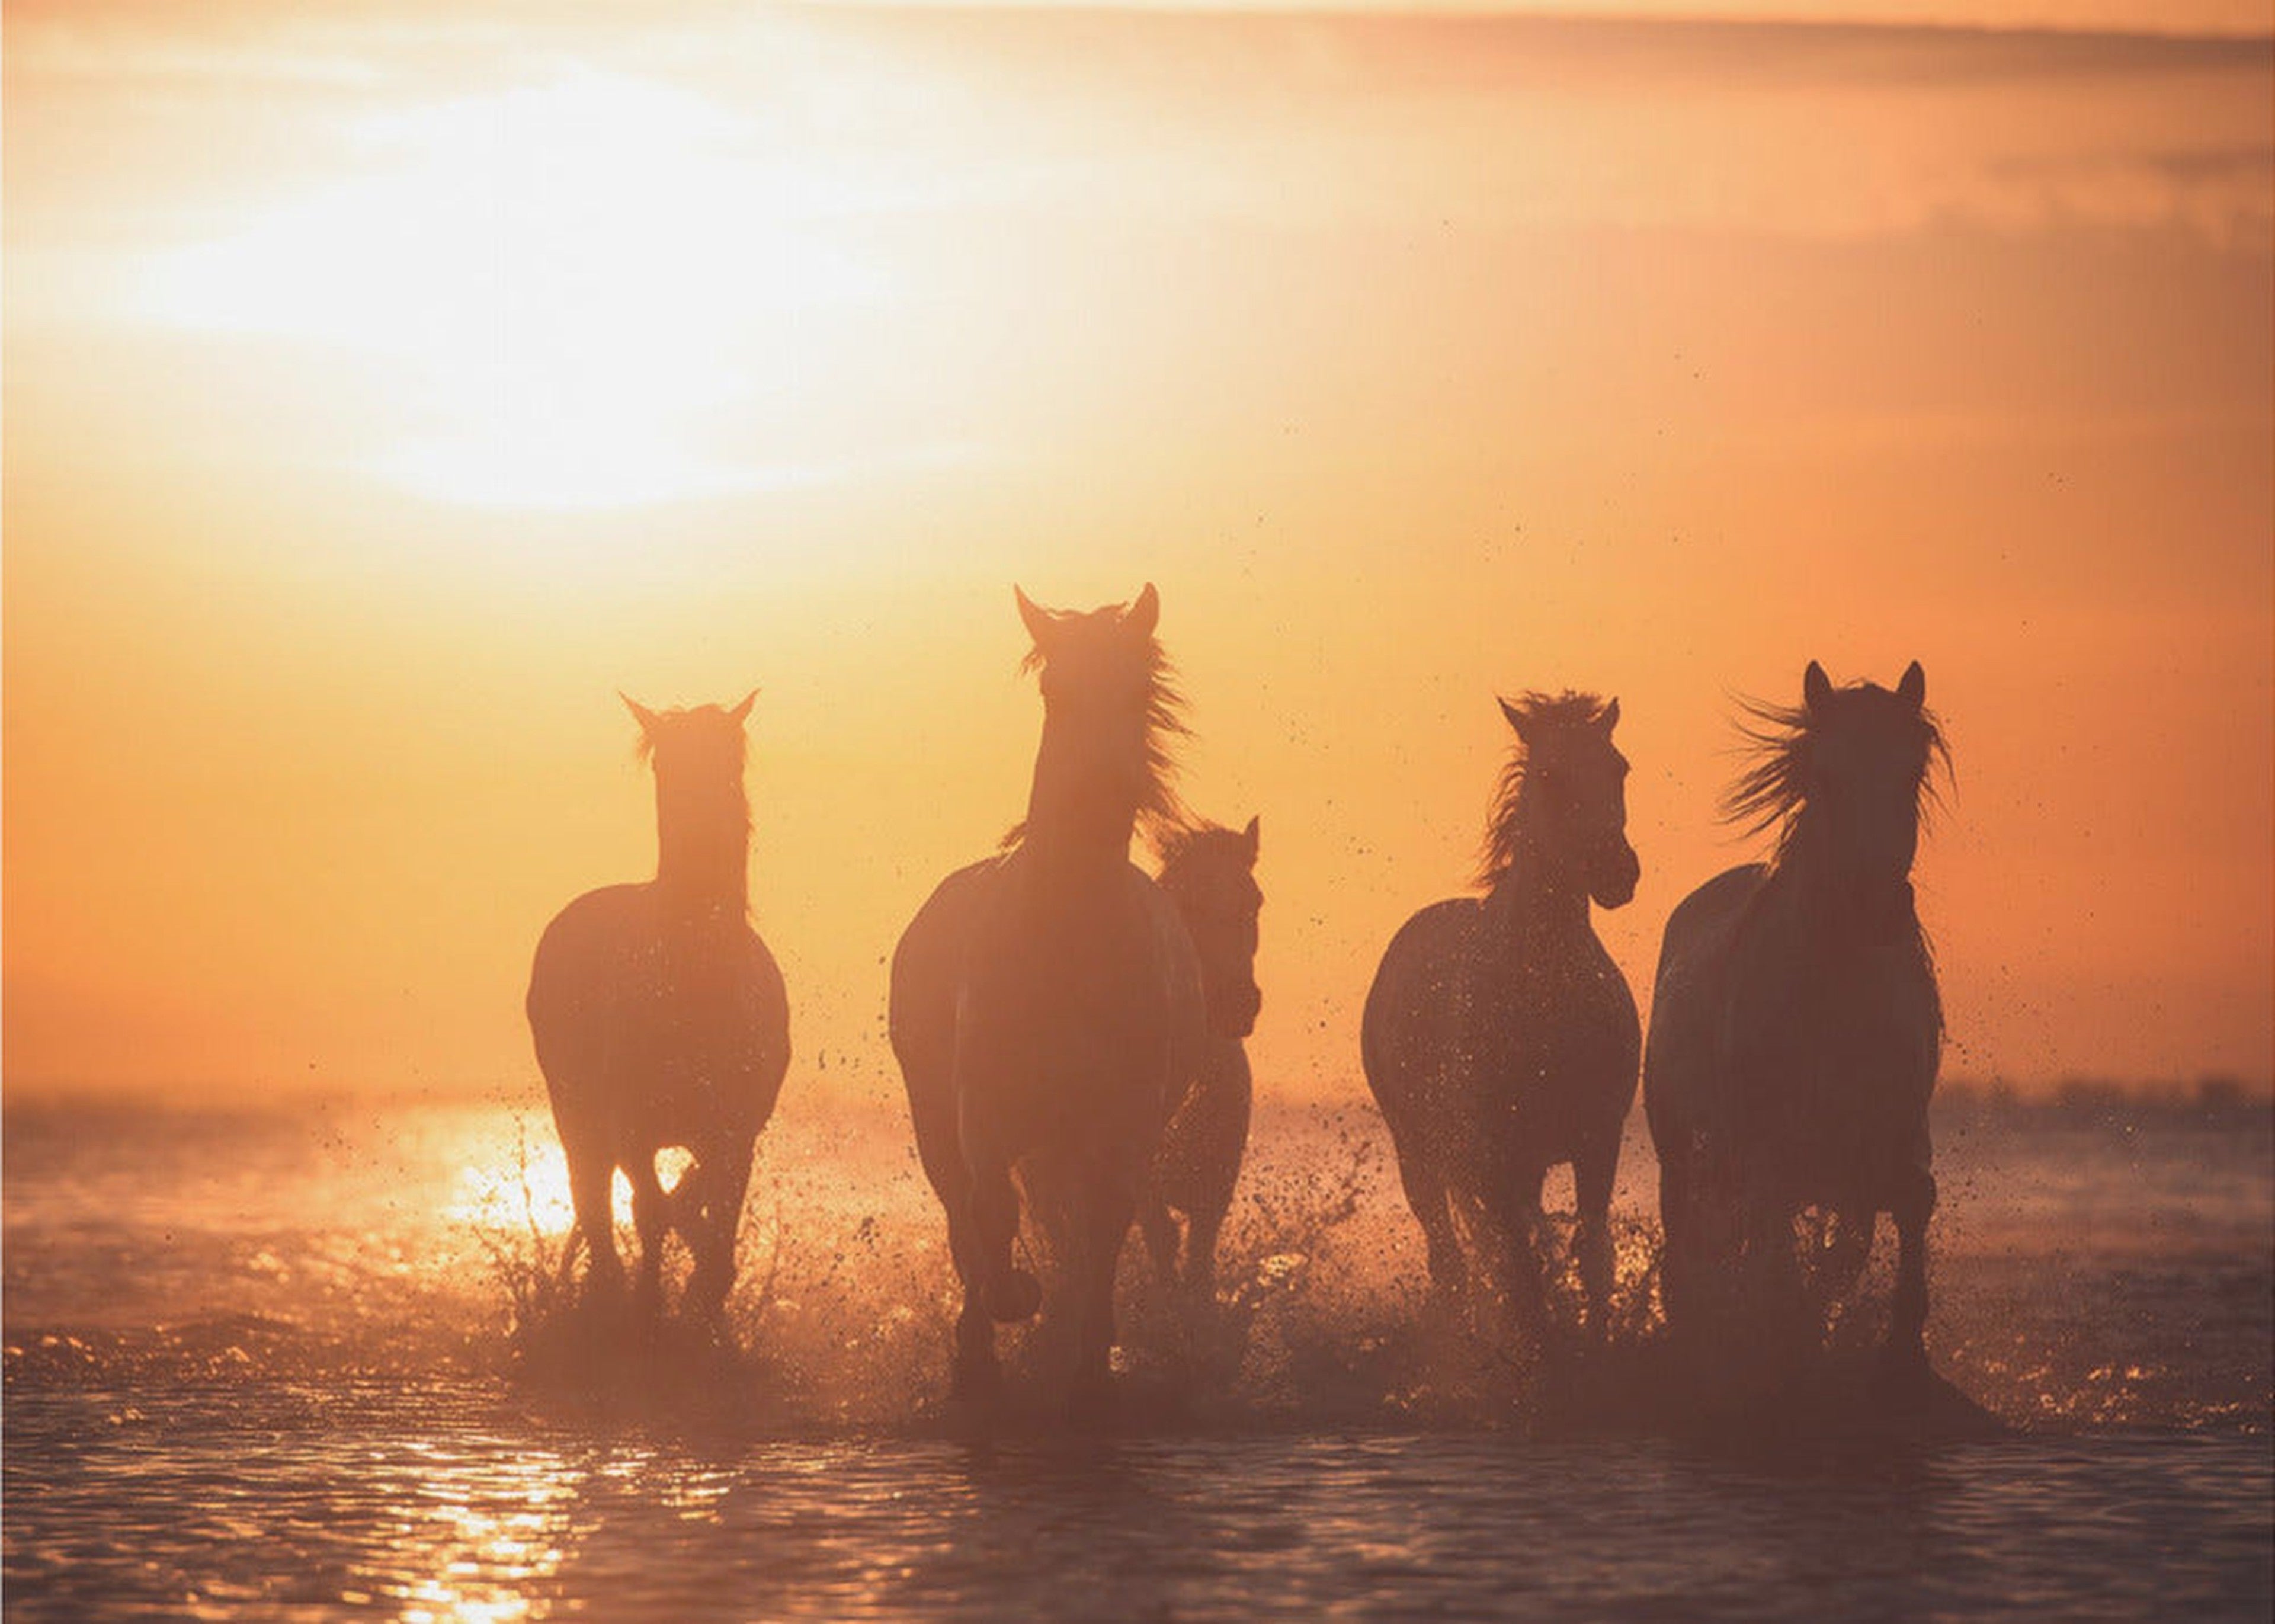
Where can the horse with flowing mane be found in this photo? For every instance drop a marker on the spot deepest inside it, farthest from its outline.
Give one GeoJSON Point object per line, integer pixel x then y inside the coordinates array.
{"type": "Point", "coordinates": [1210, 873]}
{"type": "Point", "coordinates": [1796, 1028]}
{"type": "Point", "coordinates": [1046, 1006]}
{"type": "Point", "coordinates": [661, 1020]}
{"type": "Point", "coordinates": [1499, 1038]}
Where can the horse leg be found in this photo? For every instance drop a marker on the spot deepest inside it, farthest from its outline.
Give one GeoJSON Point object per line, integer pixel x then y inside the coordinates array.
{"type": "Point", "coordinates": [1426, 1194]}
{"type": "Point", "coordinates": [652, 1219]}
{"type": "Point", "coordinates": [975, 1374]}
{"type": "Point", "coordinates": [1841, 1260]}
{"type": "Point", "coordinates": [1904, 1358]}
{"type": "Point", "coordinates": [713, 1218]}
{"type": "Point", "coordinates": [932, 1112]}
{"type": "Point", "coordinates": [1161, 1241]}
{"type": "Point", "coordinates": [1591, 1242]}
{"type": "Point", "coordinates": [1201, 1230]}
{"type": "Point", "coordinates": [1104, 1228]}
{"type": "Point", "coordinates": [1521, 1223]}
{"type": "Point", "coordinates": [1674, 1236]}
{"type": "Point", "coordinates": [590, 1176]}
{"type": "Point", "coordinates": [1780, 1307]}
{"type": "Point", "coordinates": [1507, 1208]}
{"type": "Point", "coordinates": [1012, 1293]}
{"type": "Point", "coordinates": [981, 1244]}
{"type": "Point", "coordinates": [1707, 1280]}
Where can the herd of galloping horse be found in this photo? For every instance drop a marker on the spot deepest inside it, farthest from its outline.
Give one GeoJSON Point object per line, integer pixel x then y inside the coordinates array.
{"type": "Point", "coordinates": [1070, 1029]}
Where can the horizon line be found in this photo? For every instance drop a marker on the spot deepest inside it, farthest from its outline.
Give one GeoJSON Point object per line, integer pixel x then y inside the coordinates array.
{"type": "Point", "coordinates": [1439, 14]}
{"type": "Point", "coordinates": [2211, 1087]}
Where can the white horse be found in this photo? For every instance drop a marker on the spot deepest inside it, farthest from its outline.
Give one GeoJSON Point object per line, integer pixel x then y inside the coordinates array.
{"type": "Point", "coordinates": [1796, 1029]}
{"type": "Point", "coordinates": [1210, 873]}
{"type": "Point", "coordinates": [1047, 1006]}
{"type": "Point", "coordinates": [660, 1021]}
{"type": "Point", "coordinates": [1499, 1038]}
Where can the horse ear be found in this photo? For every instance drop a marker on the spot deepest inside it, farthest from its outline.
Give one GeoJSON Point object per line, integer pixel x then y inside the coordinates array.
{"type": "Point", "coordinates": [1143, 615]}
{"type": "Point", "coordinates": [1249, 834]}
{"type": "Point", "coordinates": [1912, 688]}
{"type": "Point", "coordinates": [1516, 720]}
{"type": "Point", "coordinates": [1815, 687]}
{"type": "Point", "coordinates": [742, 712]}
{"type": "Point", "coordinates": [1610, 718]}
{"type": "Point", "coordinates": [647, 718]}
{"type": "Point", "coordinates": [1036, 618]}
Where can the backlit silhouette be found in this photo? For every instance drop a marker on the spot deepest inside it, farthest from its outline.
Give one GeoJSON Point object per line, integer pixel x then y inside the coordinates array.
{"type": "Point", "coordinates": [1499, 1036]}
{"type": "Point", "coordinates": [660, 1021]}
{"type": "Point", "coordinates": [1047, 1005]}
{"type": "Point", "coordinates": [1209, 872]}
{"type": "Point", "coordinates": [1796, 1028]}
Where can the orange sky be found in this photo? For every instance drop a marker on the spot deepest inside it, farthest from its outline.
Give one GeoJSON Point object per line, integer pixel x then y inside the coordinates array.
{"type": "Point", "coordinates": [383, 392]}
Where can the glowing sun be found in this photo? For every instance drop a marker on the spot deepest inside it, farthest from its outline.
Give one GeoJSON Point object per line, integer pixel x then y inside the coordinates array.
{"type": "Point", "coordinates": [567, 289]}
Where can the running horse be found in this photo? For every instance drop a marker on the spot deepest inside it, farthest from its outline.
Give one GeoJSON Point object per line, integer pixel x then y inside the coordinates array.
{"type": "Point", "coordinates": [1047, 1004]}
{"type": "Point", "coordinates": [660, 1021]}
{"type": "Point", "coordinates": [1210, 874]}
{"type": "Point", "coordinates": [1499, 1036]}
{"type": "Point", "coordinates": [1796, 1029]}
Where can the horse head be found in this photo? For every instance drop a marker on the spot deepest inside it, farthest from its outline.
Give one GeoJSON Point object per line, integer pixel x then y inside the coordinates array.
{"type": "Point", "coordinates": [1870, 751]}
{"type": "Point", "coordinates": [1209, 872]}
{"type": "Point", "coordinates": [1849, 773]}
{"type": "Point", "coordinates": [1108, 710]}
{"type": "Point", "coordinates": [1565, 794]}
{"type": "Point", "coordinates": [703, 817]}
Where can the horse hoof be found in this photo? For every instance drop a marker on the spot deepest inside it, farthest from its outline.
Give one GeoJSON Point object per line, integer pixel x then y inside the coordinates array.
{"type": "Point", "coordinates": [1014, 1296]}
{"type": "Point", "coordinates": [1903, 1378]}
{"type": "Point", "coordinates": [1091, 1402]}
{"type": "Point", "coordinates": [975, 1381]}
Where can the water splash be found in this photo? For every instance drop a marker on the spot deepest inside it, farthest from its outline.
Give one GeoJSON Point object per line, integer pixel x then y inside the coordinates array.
{"type": "Point", "coordinates": [2087, 1277]}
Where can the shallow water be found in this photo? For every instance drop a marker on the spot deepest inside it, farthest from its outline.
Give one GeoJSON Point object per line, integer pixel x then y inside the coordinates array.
{"type": "Point", "coordinates": [268, 1360]}
{"type": "Point", "coordinates": [426, 1503]}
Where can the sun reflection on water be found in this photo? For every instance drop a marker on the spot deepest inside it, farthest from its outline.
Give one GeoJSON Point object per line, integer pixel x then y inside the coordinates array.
{"type": "Point", "coordinates": [528, 1189]}
{"type": "Point", "coordinates": [485, 1559]}
{"type": "Point", "coordinates": [521, 1187]}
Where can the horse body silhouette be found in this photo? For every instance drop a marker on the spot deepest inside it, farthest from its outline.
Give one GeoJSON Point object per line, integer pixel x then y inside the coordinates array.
{"type": "Point", "coordinates": [1209, 873]}
{"type": "Point", "coordinates": [660, 1021]}
{"type": "Point", "coordinates": [1499, 1038]}
{"type": "Point", "coordinates": [1796, 1025]}
{"type": "Point", "coordinates": [1047, 1007]}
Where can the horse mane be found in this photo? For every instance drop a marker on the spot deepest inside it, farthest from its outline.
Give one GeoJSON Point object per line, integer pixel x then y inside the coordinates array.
{"type": "Point", "coordinates": [1552, 716]}
{"type": "Point", "coordinates": [1162, 814]}
{"type": "Point", "coordinates": [1177, 846]}
{"type": "Point", "coordinates": [644, 752]}
{"type": "Point", "coordinates": [1771, 791]}
{"type": "Point", "coordinates": [644, 746]}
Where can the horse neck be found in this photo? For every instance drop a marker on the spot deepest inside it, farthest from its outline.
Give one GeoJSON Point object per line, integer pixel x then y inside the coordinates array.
{"type": "Point", "coordinates": [1805, 878]}
{"type": "Point", "coordinates": [702, 865]}
{"type": "Point", "coordinates": [1061, 838]}
{"type": "Point", "coordinates": [1543, 891]}
{"type": "Point", "coordinates": [1805, 858]}
{"type": "Point", "coordinates": [1074, 862]}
